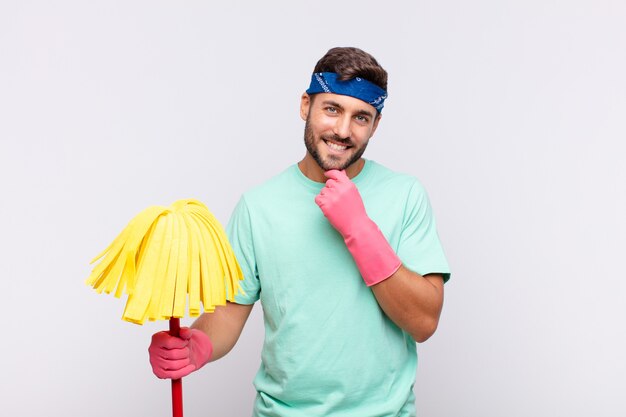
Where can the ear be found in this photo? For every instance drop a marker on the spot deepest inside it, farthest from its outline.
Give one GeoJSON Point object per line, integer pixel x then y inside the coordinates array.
{"type": "Point", "coordinates": [305, 105]}
{"type": "Point", "coordinates": [376, 120]}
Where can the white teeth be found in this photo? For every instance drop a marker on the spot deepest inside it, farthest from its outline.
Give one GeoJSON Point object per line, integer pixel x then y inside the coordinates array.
{"type": "Point", "coordinates": [336, 147]}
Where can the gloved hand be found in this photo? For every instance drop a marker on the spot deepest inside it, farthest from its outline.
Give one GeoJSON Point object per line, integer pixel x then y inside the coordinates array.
{"type": "Point", "coordinates": [342, 205]}
{"type": "Point", "coordinates": [175, 357]}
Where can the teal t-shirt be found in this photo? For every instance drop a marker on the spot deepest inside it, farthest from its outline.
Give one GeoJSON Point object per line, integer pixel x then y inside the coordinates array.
{"type": "Point", "coordinates": [329, 349]}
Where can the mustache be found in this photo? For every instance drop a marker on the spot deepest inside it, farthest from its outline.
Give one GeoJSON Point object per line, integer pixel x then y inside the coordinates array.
{"type": "Point", "coordinates": [339, 139]}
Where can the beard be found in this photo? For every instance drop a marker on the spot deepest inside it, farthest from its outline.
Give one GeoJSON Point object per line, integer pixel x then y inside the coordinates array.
{"type": "Point", "coordinates": [331, 161]}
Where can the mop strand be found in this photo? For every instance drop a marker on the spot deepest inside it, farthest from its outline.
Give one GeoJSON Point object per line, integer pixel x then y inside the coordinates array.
{"type": "Point", "coordinates": [163, 256]}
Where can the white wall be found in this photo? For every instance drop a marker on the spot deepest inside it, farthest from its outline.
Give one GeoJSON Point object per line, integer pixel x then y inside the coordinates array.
{"type": "Point", "coordinates": [510, 112]}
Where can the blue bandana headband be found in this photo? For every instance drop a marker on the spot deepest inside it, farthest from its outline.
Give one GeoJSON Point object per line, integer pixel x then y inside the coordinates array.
{"type": "Point", "coordinates": [328, 82]}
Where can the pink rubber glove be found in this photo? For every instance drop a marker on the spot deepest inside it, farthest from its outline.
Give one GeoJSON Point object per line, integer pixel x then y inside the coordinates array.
{"type": "Point", "coordinates": [342, 205]}
{"type": "Point", "coordinates": [175, 357]}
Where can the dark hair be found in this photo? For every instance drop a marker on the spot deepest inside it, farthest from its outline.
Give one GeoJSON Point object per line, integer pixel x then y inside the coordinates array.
{"type": "Point", "coordinates": [350, 62]}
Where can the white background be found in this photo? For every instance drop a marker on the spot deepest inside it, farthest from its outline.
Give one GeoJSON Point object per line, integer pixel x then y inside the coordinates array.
{"type": "Point", "coordinates": [512, 114]}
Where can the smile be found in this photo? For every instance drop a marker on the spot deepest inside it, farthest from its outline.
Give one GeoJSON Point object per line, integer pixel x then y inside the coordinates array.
{"type": "Point", "coordinates": [335, 146]}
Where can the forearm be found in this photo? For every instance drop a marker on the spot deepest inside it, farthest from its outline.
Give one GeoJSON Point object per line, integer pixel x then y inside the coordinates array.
{"type": "Point", "coordinates": [410, 300]}
{"type": "Point", "coordinates": [413, 302]}
{"type": "Point", "coordinates": [223, 326]}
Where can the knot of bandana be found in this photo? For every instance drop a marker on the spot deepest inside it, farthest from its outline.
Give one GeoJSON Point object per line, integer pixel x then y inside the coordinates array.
{"type": "Point", "coordinates": [328, 82]}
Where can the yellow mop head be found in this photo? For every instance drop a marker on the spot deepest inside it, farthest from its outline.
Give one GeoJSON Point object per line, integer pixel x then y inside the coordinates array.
{"type": "Point", "coordinates": [162, 255]}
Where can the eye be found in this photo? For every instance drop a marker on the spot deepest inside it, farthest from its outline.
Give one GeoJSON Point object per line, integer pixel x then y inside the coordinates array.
{"type": "Point", "coordinates": [331, 109]}
{"type": "Point", "coordinates": [362, 119]}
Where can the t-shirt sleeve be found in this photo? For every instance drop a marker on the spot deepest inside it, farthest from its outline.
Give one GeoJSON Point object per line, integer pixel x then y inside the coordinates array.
{"type": "Point", "coordinates": [239, 231]}
{"type": "Point", "coordinates": [420, 248]}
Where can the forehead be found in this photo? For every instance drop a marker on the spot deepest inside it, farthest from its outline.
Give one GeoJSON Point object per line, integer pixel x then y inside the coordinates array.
{"type": "Point", "coordinates": [347, 103]}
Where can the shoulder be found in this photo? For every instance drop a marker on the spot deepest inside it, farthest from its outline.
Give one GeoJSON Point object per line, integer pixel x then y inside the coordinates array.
{"type": "Point", "coordinates": [260, 198]}
{"type": "Point", "coordinates": [382, 177]}
{"type": "Point", "coordinates": [270, 187]}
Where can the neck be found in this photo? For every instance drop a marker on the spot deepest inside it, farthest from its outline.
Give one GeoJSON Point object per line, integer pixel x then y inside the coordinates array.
{"type": "Point", "coordinates": [314, 172]}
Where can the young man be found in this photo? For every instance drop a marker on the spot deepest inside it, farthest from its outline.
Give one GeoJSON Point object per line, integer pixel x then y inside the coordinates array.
{"type": "Point", "coordinates": [343, 255]}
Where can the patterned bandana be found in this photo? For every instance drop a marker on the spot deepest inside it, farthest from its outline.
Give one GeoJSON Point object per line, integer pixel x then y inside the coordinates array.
{"type": "Point", "coordinates": [327, 82]}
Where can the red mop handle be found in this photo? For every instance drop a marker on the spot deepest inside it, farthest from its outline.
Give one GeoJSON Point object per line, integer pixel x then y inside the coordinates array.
{"type": "Point", "coordinates": [177, 384]}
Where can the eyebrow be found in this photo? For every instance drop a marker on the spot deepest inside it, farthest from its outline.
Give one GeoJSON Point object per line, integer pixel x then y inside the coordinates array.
{"type": "Point", "coordinates": [361, 112]}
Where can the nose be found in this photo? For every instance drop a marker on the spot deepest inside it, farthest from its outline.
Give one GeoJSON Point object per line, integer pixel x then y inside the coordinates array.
{"type": "Point", "coordinates": [342, 127]}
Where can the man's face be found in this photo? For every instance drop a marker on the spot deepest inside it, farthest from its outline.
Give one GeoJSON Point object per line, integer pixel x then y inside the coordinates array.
{"type": "Point", "coordinates": [337, 129]}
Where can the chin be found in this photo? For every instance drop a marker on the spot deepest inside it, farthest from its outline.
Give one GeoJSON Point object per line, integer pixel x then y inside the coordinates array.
{"type": "Point", "coordinates": [327, 163]}
{"type": "Point", "coordinates": [338, 165]}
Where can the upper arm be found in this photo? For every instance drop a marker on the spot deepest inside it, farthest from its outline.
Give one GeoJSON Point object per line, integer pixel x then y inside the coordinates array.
{"type": "Point", "coordinates": [419, 247]}
{"type": "Point", "coordinates": [436, 280]}
{"type": "Point", "coordinates": [224, 326]}
{"type": "Point", "coordinates": [239, 232]}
